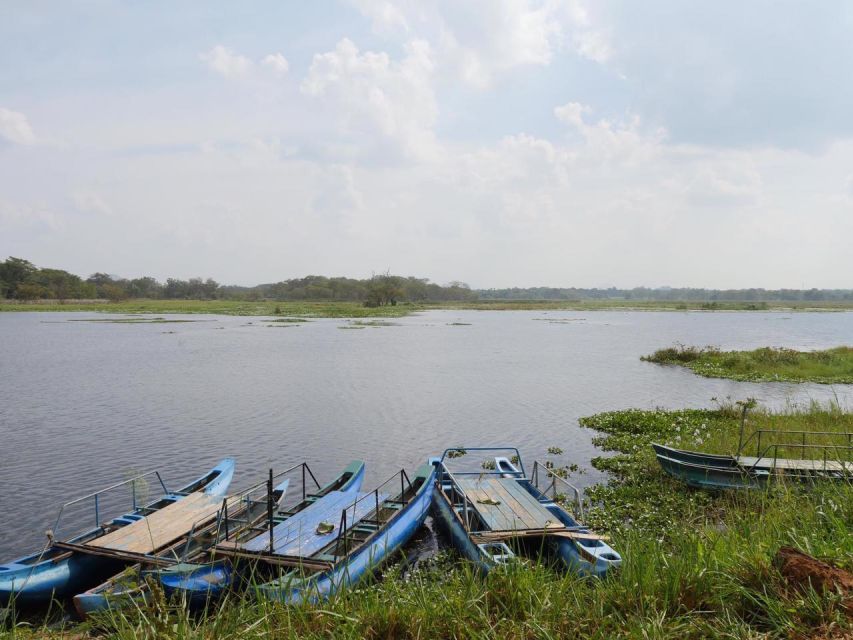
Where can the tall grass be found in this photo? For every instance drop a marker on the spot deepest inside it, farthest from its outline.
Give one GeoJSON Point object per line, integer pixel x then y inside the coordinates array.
{"type": "Point", "coordinates": [696, 564]}
{"type": "Point", "coordinates": [829, 366]}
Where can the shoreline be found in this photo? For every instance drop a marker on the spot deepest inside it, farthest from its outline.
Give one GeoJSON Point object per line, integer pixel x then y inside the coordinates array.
{"type": "Point", "coordinates": [335, 309]}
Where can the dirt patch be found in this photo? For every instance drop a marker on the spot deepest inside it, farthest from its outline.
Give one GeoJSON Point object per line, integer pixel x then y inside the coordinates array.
{"type": "Point", "coordinates": [801, 570]}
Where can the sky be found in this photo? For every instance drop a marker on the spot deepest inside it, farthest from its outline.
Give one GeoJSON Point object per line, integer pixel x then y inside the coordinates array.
{"type": "Point", "coordinates": [498, 142]}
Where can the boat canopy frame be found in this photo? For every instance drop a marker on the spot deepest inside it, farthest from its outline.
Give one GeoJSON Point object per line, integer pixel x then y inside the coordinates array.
{"type": "Point", "coordinates": [95, 495]}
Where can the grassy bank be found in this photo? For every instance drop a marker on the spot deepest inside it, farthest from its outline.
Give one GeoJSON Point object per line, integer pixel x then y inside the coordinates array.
{"type": "Point", "coordinates": [357, 310]}
{"type": "Point", "coordinates": [832, 366]}
{"type": "Point", "coordinates": [697, 565]}
{"type": "Point", "coordinates": [220, 307]}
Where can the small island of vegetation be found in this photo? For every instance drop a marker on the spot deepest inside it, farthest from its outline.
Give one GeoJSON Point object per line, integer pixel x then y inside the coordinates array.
{"type": "Point", "coordinates": [767, 364]}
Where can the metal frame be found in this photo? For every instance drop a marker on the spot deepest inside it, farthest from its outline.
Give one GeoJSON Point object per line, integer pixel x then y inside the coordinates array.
{"type": "Point", "coordinates": [223, 517]}
{"type": "Point", "coordinates": [97, 494]}
{"type": "Point", "coordinates": [762, 453]}
{"type": "Point", "coordinates": [343, 528]}
{"type": "Point", "coordinates": [534, 480]}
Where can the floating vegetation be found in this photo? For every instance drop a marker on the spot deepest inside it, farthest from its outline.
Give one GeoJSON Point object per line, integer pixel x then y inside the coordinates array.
{"type": "Point", "coordinates": [374, 323]}
{"type": "Point", "coordinates": [458, 324]}
{"type": "Point", "coordinates": [289, 320]}
{"type": "Point", "coordinates": [349, 326]}
{"type": "Point", "coordinates": [282, 326]}
{"type": "Point", "coordinates": [133, 320]}
{"type": "Point", "coordinates": [767, 364]}
{"type": "Point", "coordinates": [456, 453]}
{"type": "Point", "coordinates": [559, 320]}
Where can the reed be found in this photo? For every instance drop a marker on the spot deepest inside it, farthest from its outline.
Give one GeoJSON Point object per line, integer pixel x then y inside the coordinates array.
{"type": "Point", "coordinates": [830, 366]}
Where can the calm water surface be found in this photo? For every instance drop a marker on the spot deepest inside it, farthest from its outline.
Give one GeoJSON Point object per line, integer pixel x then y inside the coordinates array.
{"type": "Point", "coordinates": [84, 404]}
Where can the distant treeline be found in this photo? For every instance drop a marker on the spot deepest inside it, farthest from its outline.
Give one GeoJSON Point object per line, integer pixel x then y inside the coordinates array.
{"type": "Point", "coordinates": [22, 280]}
{"type": "Point", "coordinates": [667, 294]}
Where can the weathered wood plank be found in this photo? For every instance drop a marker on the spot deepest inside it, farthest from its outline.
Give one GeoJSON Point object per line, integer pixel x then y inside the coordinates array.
{"type": "Point", "coordinates": [516, 509]}
{"type": "Point", "coordinates": [795, 465]}
{"type": "Point", "coordinates": [163, 526]}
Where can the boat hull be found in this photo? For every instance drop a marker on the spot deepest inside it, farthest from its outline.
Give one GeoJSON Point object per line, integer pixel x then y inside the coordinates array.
{"type": "Point", "coordinates": [200, 584]}
{"type": "Point", "coordinates": [37, 579]}
{"type": "Point", "coordinates": [368, 558]}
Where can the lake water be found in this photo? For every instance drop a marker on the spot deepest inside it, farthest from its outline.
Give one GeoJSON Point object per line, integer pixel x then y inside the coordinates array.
{"type": "Point", "coordinates": [84, 404]}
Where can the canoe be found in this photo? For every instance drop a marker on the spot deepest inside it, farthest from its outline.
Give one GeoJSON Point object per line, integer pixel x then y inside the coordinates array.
{"type": "Point", "coordinates": [317, 562]}
{"type": "Point", "coordinates": [495, 515]}
{"type": "Point", "coordinates": [131, 588]}
{"type": "Point", "coordinates": [707, 471]}
{"type": "Point", "coordinates": [63, 569]}
{"type": "Point", "coordinates": [207, 576]}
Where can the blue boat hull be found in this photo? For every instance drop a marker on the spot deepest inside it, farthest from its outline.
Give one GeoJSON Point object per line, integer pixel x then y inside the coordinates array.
{"type": "Point", "coordinates": [38, 578]}
{"type": "Point", "coordinates": [200, 584]}
{"type": "Point", "coordinates": [368, 558]}
{"type": "Point", "coordinates": [587, 557]}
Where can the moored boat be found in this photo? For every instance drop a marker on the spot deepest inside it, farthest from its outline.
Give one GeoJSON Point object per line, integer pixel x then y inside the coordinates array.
{"type": "Point", "coordinates": [63, 569]}
{"type": "Point", "coordinates": [132, 588]}
{"type": "Point", "coordinates": [207, 576]}
{"type": "Point", "coordinates": [494, 514]}
{"type": "Point", "coordinates": [335, 543]}
{"type": "Point", "coordinates": [712, 471]}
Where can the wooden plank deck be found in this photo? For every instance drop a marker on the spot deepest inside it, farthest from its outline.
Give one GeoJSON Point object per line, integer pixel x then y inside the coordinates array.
{"type": "Point", "coordinates": [297, 536]}
{"type": "Point", "coordinates": [162, 527]}
{"type": "Point", "coordinates": [787, 464]}
{"type": "Point", "coordinates": [515, 510]}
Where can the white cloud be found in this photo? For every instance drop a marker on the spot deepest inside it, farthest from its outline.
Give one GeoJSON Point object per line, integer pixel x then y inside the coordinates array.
{"type": "Point", "coordinates": [91, 203]}
{"type": "Point", "coordinates": [225, 61]}
{"type": "Point", "coordinates": [370, 95]}
{"type": "Point", "coordinates": [482, 39]}
{"type": "Point", "coordinates": [15, 128]}
{"type": "Point", "coordinates": [277, 62]}
{"type": "Point", "coordinates": [572, 113]}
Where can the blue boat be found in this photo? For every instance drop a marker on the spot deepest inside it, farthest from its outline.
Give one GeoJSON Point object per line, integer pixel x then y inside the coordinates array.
{"type": "Point", "coordinates": [495, 513]}
{"type": "Point", "coordinates": [708, 471]}
{"type": "Point", "coordinates": [244, 511]}
{"type": "Point", "coordinates": [712, 471]}
{"type": "Point", "coordinates": [207, 576]}
{"type": "Point", "coordinates": [336, 544]}
{"type": "Point", "coordinates": [63, 569]}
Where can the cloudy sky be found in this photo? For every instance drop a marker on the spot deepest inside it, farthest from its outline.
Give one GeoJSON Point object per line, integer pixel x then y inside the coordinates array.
{"type": "Point", "coordinates": [504, 143]}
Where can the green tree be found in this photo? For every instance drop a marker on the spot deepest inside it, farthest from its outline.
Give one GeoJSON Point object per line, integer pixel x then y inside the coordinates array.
{"type": "Point", "coordinates": [14, 272]}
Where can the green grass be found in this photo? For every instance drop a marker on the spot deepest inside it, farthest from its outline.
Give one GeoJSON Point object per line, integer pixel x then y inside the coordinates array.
{"type": "Point", "coordinates": [697, 564]}
{"type": "Point", "coordinates": [222, 307]}
{"type": "Point", "coordinates": [357, 310]}
{"type": "Point", "coordinates": [831, 366]}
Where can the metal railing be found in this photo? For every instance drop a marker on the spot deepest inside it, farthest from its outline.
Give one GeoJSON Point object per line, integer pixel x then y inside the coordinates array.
{"type": "Point", "coordinates": [456, 495]}
{"type": "Point", "coordinates": [343, 525]}
{"type": "Point", "coordinates": [552, 486]}
{"type": "Point", "coordinates": [802, 443]}
{"type": "Point", "coordinates": [223, 519]}
{"type": "Point", "coordinates": [96, 495]}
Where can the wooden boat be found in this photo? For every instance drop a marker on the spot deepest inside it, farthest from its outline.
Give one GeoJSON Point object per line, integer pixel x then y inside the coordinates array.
{"type": "Point", "coordinates": [63, 569]}
{"type": "Point", "coordinates": [493, 515]}
{"type": "Point", "coordinates": [130, 587]}
{"type": "Point", "coordinates": [335, 542]}
{"type": "Point", "coordinates": [206, 576]}
{"type": "Point", "coordinates": [711, 471]}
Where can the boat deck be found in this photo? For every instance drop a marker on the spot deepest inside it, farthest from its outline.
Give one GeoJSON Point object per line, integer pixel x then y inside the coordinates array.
{"type": "Point", "coordinates": [504, 505]}
{"type": "Point", "coordinates": [297, 536]}
{"type": "Point", "coordinates": [787, 464]}
{"type": "Point", "coordinates": [162, 527]}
